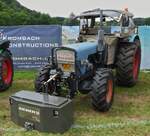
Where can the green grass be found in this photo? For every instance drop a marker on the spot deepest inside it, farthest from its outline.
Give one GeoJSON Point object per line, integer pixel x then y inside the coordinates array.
{"type": "Point", "coordinates": [129, 115]}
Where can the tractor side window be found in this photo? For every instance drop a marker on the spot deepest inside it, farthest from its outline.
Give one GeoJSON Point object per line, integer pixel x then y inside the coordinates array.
{"type": "Point", "coordinates": [83, 24]}
{"type": "Point", "coordinates": [97, 22]}
{"type": "Point", "coordinates": [89, 22]}
{"type": "Point", "coordinates": [92, 22]}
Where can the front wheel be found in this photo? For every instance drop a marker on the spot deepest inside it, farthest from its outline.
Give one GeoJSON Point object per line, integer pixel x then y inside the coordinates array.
{"type": "Point", "coordinates": [102, 90]}
{"type": "Point", "coordinates": [43, 76]}
{"type": "Point", "coordinates": [6, 70]}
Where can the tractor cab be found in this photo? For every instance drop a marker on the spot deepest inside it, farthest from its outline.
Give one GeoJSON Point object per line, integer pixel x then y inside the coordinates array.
{"type": "Point", "coordinates": [114, 23]}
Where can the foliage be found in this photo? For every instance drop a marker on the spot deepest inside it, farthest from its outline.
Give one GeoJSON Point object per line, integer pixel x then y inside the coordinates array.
{"type": "Point", "coordinates": [13, 13]}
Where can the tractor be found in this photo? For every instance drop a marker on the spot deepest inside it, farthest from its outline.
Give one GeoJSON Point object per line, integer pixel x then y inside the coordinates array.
{"type": "Point", "coordinates": [6, 66]}
{"type": "Point", "coordinates": [107, 52]}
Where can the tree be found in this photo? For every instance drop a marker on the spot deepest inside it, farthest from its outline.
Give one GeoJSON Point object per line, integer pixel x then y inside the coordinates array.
{"type": "Point", "coordinates": [147, 21]}
{"type": "Point", "coordinates": [13, 13]}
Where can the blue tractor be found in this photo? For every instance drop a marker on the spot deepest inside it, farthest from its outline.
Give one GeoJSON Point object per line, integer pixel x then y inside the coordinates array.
{"type": "Point", "coordinates": [108, 45]}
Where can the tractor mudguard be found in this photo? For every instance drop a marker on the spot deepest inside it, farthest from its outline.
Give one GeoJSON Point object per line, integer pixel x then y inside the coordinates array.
{"type": "Point", "coordinates": [133, 37]}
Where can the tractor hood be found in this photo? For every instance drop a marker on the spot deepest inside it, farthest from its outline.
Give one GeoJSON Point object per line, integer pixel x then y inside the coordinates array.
{"type": "Point", "coordinates": [84, 49]}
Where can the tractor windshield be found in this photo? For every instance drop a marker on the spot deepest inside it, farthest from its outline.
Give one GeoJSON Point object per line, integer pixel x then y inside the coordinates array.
{"type": "Point", "coordinates": [91, 25]}
{"type": "Point", "coordinates": [90, 21]}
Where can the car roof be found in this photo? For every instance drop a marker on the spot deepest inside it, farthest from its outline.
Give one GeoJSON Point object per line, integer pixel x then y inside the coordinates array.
{"type": "Point", "coordinates": [106, 13]}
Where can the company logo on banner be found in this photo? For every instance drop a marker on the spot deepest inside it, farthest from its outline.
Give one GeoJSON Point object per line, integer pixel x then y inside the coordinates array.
{"type": "Point", "coordinates": [31, 45]}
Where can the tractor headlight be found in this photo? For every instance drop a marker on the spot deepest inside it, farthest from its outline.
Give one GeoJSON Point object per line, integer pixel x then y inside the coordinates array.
{"type": "Point", "coordinates": [66, 60]}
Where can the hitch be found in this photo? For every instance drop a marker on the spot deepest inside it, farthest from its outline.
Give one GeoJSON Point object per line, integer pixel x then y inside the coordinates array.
{"type": "Point", "coordinates": [45, 84]}
{"type": "Point", "coordinates": [52, 78]}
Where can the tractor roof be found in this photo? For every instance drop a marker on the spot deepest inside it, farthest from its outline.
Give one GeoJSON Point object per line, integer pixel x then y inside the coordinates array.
{"type": "Point", "coordinates": [106, 13]}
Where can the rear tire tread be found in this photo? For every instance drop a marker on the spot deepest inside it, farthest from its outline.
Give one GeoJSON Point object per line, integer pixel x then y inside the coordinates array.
{"type": "Point", "coordinates": [124, 70]}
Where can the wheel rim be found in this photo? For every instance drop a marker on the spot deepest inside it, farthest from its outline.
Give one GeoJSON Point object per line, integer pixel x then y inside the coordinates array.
{"type": "Point", "coordinates": [7, 71]}
{"type": "Point", "coordinates": [109, 91]}
{"type": "Point", "coordinates": [136, 63]}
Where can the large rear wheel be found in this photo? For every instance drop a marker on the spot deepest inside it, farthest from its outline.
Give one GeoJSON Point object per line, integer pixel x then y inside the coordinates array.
{"type": "Point", "coordinates": [6, 70]}
{"type": "Point", "coordinates": [128, 64]}
{"type": "Point", "coordinates": [102, 90]}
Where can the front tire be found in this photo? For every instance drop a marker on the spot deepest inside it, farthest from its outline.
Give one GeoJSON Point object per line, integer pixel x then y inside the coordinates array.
{"type": "Point", "coordinates": [42, 77]}
{"type": "Point", "coordinates": [102, 90]}
{"type": "Point", "coordinates": [6, 70]}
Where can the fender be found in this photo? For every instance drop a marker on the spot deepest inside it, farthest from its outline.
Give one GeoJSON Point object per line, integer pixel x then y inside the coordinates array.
{"type": "Point", "coordinates": [133, 37]}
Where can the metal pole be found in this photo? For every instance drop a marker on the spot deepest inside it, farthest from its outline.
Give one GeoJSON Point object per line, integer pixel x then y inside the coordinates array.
{"type": "Point", "coordinates": [101, 19]}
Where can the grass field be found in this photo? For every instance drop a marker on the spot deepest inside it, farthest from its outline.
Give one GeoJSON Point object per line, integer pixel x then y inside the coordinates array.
{"type": "Point", "coordinates": [129, 115]}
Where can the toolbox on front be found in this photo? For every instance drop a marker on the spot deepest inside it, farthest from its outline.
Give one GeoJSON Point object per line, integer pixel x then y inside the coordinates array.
{"type": "Point", "coordinates": [41, 111]}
